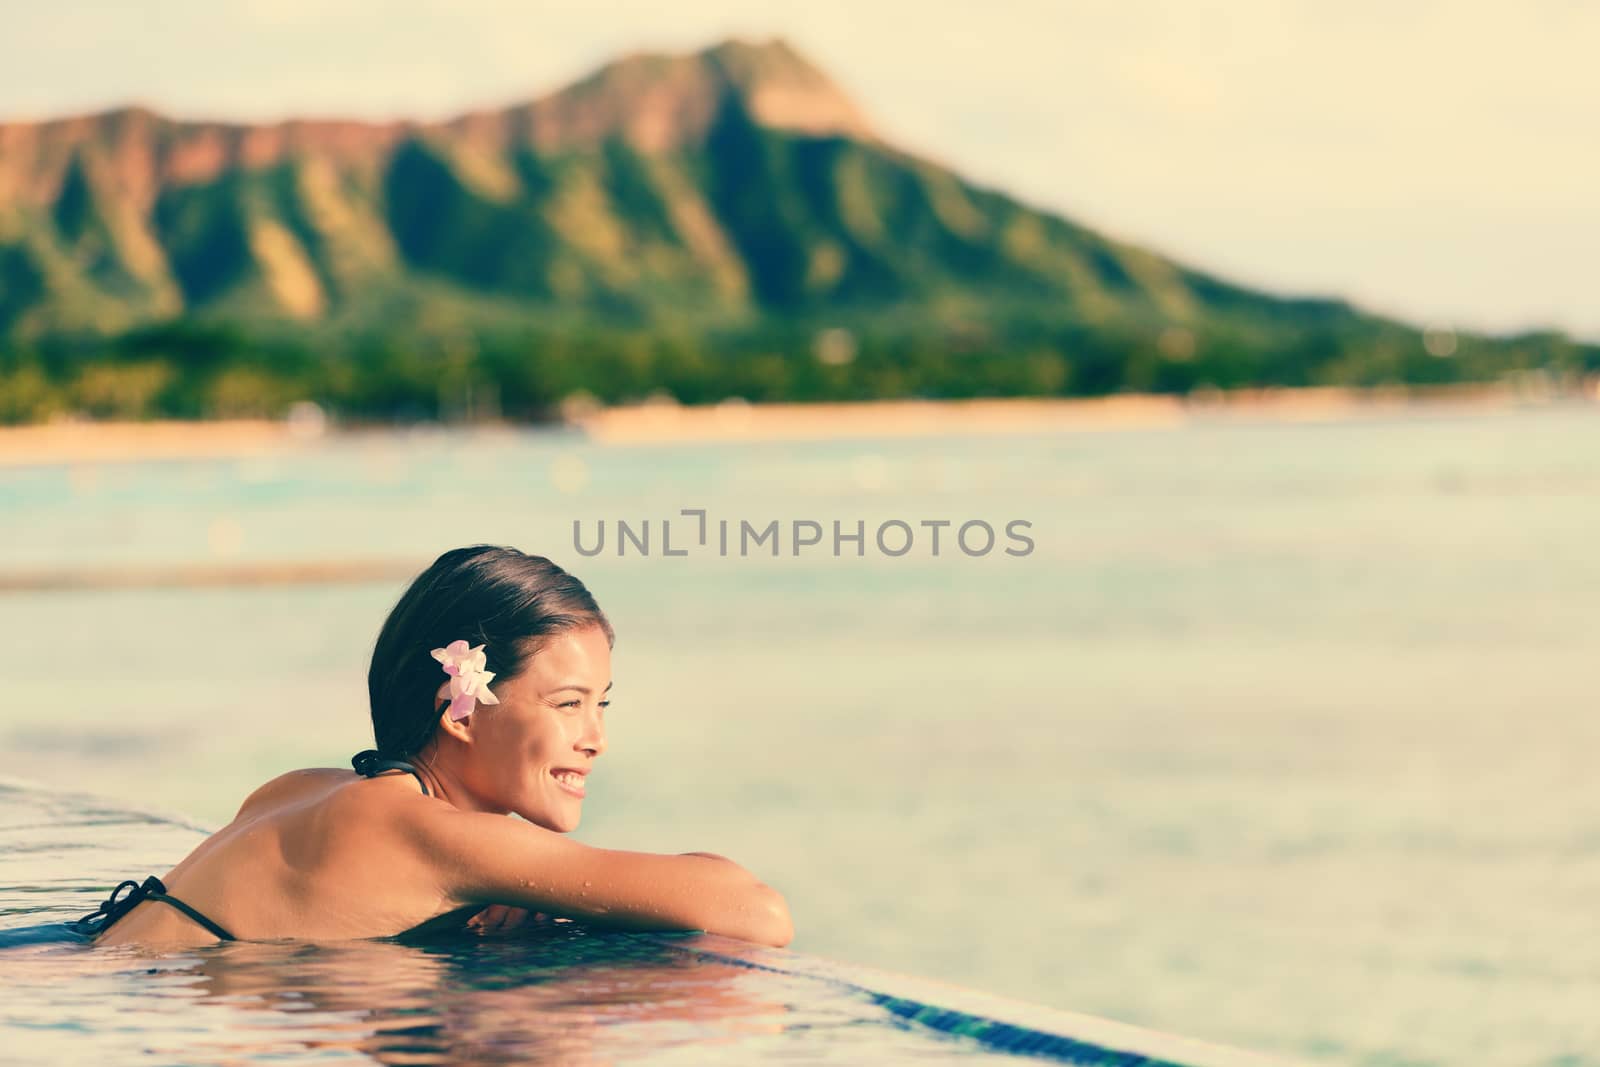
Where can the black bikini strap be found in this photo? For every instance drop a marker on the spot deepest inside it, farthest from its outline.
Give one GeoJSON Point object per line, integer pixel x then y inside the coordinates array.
{"type": "Point", "coordinates": [154, 890]}
{"type": "Point", "coordinates": [371, 763]}
{"type": "Point", "coordinates": [114, 907]}
{"type": "Point", "coordinates": [110, 909]}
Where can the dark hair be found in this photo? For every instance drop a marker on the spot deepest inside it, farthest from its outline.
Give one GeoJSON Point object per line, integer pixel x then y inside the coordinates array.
{"type": "Point", "coordinates": [489, 595]}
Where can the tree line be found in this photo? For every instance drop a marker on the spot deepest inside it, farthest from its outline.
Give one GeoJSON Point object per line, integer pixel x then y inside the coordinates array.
{"type": "Point", "coordinates": [193, 370]}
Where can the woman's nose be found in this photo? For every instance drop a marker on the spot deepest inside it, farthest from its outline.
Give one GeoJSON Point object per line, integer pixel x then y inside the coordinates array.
{"type": "Point", "coordinates": [595, 741]}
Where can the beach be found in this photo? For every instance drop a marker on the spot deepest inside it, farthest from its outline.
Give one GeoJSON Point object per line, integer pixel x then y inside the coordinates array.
{"type": "Point", "coordinates": [737, 420]}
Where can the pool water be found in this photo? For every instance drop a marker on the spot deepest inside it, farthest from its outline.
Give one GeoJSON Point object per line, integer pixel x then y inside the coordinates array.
{"type": "Point", "coordinates": [557, 993]}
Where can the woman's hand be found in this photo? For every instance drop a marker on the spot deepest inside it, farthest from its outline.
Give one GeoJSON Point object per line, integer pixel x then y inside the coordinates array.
{"type": "Point", "coordinates": [503, 918]}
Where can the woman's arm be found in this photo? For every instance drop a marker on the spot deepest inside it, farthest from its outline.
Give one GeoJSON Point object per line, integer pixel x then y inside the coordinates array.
{"type": "Point", "coordinates": [493, 859]}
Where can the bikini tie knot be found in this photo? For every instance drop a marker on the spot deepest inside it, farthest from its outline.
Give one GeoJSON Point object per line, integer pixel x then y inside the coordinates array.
{"type": "Point", "coordinates": [366, 762]}
{"type": "Point", "coordinates": [370, 763]}
{"type": "Point", "coordinates": [116, 906]}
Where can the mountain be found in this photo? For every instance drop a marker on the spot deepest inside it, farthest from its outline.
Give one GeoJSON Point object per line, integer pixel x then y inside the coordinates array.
{"type": "Point", "coordinates": [732, 193]}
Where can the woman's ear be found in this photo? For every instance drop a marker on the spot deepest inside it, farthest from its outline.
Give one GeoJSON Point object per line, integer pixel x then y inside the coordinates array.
{"type": "Point", "coordinates": [456, 728]}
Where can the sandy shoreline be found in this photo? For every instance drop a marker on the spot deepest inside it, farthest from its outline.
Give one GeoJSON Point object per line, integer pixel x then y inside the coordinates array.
{"type": "Point", "coordinates": [894, 418]}
{"type": "Point", "coordinates": [109, 442]}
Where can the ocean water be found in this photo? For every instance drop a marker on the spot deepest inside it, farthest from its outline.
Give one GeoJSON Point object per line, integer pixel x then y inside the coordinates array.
{"type": "Point", "coordinates": [1280, 735]}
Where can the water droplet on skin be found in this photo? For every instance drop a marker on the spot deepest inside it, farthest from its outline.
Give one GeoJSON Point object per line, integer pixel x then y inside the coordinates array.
{"type": "Point", "coordinates": [586, 885]}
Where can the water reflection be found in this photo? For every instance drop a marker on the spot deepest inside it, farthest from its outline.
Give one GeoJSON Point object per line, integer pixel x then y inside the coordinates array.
{"type": "Point", "coordinates": [568, 995]}
{"type": "Point", "coordinates": [562, 994]}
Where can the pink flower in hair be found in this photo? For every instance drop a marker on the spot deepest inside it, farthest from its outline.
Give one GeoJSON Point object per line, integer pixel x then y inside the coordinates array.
{"type": "Point", "coordinates": [469, 682]}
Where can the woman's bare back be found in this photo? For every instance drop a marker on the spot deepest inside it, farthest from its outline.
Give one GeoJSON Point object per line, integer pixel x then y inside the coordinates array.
{"type": "Point", "coordinates": [312, 854]}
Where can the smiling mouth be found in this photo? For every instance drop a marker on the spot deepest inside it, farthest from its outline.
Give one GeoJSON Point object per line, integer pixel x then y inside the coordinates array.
{"type": "Point", "coordinates": [572, 783]}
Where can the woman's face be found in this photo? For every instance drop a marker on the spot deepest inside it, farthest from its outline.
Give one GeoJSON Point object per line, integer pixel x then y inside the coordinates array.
{"type": "Point", "coordinates": [550, 718]}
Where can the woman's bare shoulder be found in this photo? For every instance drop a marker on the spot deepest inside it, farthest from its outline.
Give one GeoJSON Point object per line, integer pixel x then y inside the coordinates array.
{"type": "Point", "coordinates": [292, 786]}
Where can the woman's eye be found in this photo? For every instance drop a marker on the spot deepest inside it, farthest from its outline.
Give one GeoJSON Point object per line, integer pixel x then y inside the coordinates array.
{"type": "Point", "coordinates": [575, 703]}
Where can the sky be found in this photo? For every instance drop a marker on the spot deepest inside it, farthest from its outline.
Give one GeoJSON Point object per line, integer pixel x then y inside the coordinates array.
{"type": "Point", "coordinates": [1435, 161]}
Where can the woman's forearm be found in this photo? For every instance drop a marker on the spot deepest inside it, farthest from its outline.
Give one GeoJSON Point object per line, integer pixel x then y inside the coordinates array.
{"type": "Point", "coordinates": [767, 922]}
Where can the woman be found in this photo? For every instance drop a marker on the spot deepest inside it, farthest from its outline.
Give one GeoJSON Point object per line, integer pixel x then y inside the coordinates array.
{"type": "Point", "coordinates": [416, 837]}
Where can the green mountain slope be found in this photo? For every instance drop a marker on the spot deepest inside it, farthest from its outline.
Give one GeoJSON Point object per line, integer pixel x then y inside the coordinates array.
{"type": "Point", "coordinates": [713, 210]}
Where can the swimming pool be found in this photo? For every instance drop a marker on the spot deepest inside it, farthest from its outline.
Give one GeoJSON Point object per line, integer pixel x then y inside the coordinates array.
{"type": "Point", "coordinates": [560, 993]}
